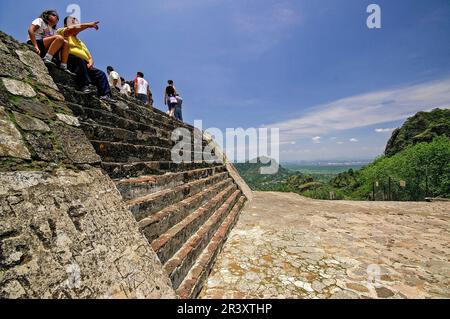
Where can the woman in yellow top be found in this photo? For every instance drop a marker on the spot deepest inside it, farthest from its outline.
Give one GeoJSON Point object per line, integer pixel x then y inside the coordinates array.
{"type": "Point", "coordinates": [80, 59]}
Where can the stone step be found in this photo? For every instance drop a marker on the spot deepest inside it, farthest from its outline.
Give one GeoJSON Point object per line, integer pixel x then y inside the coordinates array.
{"type": "Point", "coordinates": [137, 187]}
{"type": "Point", "coordinates": [72, 95]}
{"type": "Point", "coordinates": [171, 241]}
{"type": "Point", "coordinates": [60, 77]}
{"type": "Point", "coordinates": [198, 274]}
{"type": "Point", "coordinates": [106, 118]}
{"type": "Point", "coordinates": [68, 88]}
{"type": "Point", "coordinates": [124, 152]}
{"type": "Point", "coordinates": [154, 112]}
{"type": "Point", "coordinates": [155, 225]}
{"type": "Point", "coordinates": [146, 116]}
{"type": "Point", "coordinates": [90, 118]}
{"type": "Point", "coordinates": [125, 109]}
{"type": "Point", "coordinates": [143, 207]}
{"type": "Point", "coordinates": [112, 134]}
{"type": "Point", "coordinates": [101, 131]}
{"type": "Point", "coordinates": [138, 168]}
{"type": "Point", "coordinates": [180, 264]}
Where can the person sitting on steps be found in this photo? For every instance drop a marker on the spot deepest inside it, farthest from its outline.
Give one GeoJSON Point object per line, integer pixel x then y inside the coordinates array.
{"type": "Point", "coordinates": [47, 44]}
{"type": "Point", "coordinates": [80, 59]}
{"type": "Point", "coordinates": [114, 78]}
{"type": "Point", "coordinates": [126, 88]}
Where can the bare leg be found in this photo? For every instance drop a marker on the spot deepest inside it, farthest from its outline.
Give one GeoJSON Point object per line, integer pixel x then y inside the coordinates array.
{"type": "Point", "coordinates": [65, 52]}
{"type": "Point", "coordinates": [53, 44]}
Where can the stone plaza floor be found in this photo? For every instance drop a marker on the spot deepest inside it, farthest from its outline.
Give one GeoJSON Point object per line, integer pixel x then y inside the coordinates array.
{"type": "Point", "coordinates": [288, 246]}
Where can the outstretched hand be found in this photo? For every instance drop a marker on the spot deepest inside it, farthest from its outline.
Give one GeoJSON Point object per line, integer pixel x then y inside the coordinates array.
{"type": "Point", "coordinates": [94, 25]}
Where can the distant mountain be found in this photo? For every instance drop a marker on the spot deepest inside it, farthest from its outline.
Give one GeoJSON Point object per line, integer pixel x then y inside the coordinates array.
{"type": "Point", "coordinates": [422, 127]}
{"type": "Point", "coordinates": [251, 173]}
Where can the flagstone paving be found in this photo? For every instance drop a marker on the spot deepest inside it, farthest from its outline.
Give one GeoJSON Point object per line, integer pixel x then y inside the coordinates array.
{"type": "Point", "coordinates": [288, 246]}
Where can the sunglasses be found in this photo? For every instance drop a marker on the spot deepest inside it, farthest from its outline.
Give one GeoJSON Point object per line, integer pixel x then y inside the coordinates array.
{"type": "Point", "coordinates": [55, 15]}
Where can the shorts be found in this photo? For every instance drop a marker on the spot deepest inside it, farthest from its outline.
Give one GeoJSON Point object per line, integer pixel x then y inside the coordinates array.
{"type": "Point", "coordinates": [41, 46]}
{"type": "Point", "coordinates": [172, 106]}
{"type": "Point", "coordinates": [142, 98]}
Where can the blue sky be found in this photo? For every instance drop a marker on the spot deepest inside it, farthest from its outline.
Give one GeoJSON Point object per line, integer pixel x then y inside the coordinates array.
{"type": "Point", "coordinates": [310, 67]}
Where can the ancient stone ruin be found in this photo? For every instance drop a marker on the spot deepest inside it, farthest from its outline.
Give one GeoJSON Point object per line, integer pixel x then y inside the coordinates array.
{"type": "Point", "coordinates": [91, 205]}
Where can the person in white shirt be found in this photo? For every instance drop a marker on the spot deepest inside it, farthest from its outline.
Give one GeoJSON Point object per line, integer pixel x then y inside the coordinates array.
{"type": "Point", "coordinates": [42, 36]}
{"type": "Point", "coordinates": [126, 88]}
{"type": "Point", "coordinates": [114, 78]}
{"type": "Point", "coordinates": [142, 89]}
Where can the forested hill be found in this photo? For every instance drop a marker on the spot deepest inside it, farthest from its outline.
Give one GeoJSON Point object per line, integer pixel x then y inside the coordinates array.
{"type": "Point", "coordinates": [416, 165]}
{"type": "Point", "coordinates": [422, 127]}
{"type": "Point", "coordinates": [252, 175]}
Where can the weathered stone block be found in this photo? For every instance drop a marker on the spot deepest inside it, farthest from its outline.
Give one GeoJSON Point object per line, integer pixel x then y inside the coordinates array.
{"type": "Point", "coordinates": [36, 109]}
{"type": "Point", "coordinates": [43, 147]}
{"type": "Point", "coordinates": [37, 67]}
{"type": "Point", "coordinates": [61, 77]}
{"type": "Point", "coordinates": [52, 93]}
{"type": "Point", "coordinates": [9, 41]}
{"type": "Point", "coordinates": [11, 143]}
{"type": "Point", "coordinates": [28, 123]}
{"type": "Point", "coordinates": [68, 119]}
{"type": "Point", "coordinates": [11, 67]}
{"type": "Point", "coordinates": [18, 87]}
{"type": "Point", "coordinates": [3, 47]}
{"type": "Point", "coordinates": [69, 235]}
{"type": "Point", "coordinates": [75, 144]}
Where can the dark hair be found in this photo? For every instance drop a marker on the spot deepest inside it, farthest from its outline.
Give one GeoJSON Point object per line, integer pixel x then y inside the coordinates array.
{"type": "Point", "coordinates": [110, 68]}
{"type": "Point", "coordinates": [140, 74]}
{"type": "Point", "coordinates": [46, 15]}
{"type": "Point", "coordinates": [170, 82]}
{"type": "Point", "coordinates": [122, 79]}
{"type": "Point", "coordinates": [67, 18]}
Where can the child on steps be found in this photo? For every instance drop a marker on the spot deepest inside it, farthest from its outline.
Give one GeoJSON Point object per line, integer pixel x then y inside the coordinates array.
{"type": "Point", "coordinates": [42, 35]}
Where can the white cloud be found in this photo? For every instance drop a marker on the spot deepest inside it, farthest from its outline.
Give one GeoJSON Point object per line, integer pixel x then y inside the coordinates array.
{"type": "Point", "coordinates": [340, 143]}
{"type": "Point", "coordinates": [353, 140]}
{"type": "Point", "coordinates": [316, 139]}
{"type": "Point", "coordinates": [384, 130]}
{"type": "Point", "coordinates": [367, 109]}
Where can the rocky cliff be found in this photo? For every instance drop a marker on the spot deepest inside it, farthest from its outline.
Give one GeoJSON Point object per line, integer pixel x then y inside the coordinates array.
{"type": "Point", "coordinates": [92, 205]}
{"type": "Point", "coordinates": [422, 127]}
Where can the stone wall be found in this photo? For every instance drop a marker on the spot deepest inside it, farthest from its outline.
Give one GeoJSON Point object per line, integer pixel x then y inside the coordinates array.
{"type": "Point", "coordinates": [67, 234]}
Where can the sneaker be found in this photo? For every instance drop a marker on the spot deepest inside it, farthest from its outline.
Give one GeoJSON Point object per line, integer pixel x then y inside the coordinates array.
{"type": "Point", "coordinates": [86, 90]}
{"type": "Point", "coordinates": [67, 71]}
{"type": "Point", "coordinates": [107, 98]}
{"type": "Point", "coordinates": [48, 61]}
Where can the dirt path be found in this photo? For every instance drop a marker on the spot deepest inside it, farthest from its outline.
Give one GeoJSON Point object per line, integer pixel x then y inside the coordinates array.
{"type": "Point", "coordinates": [288, 246]}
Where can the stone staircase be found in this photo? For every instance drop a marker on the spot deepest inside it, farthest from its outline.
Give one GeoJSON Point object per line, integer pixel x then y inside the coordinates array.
{"type": "Point", "coordinates": [184, 210]}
